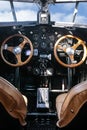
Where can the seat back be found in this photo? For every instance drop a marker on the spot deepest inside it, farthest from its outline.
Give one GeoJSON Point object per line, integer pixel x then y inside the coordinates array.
{"type": "Point", "coordinates": [71, 102]}
{"type": "Point", "coordinates": [13, 101]}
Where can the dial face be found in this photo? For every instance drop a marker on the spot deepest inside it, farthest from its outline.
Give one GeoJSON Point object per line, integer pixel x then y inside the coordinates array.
{"type": "Point", "coordinates": [36, 37]}
{"type": "Point", "coordinates": [52, 38]}
{"type": "Point", "coordinates": [35, 44]}
{"type": "Point", "coordinates": [43, 45]}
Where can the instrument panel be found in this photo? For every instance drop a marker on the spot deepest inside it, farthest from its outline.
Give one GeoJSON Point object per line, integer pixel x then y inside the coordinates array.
{"type": "Point", "coordinates": [43, 39]}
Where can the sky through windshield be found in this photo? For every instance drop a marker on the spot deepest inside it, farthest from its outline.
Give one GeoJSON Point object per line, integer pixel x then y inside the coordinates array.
{"type": "Point", "coordinates": [61, 12]}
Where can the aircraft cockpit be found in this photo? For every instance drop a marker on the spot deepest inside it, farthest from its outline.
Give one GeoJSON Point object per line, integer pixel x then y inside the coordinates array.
{"type": "Point", "coordinates": [43, 54]}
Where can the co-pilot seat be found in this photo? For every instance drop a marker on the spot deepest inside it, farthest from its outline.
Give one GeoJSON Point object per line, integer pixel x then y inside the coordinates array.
{"type": "Point", "coordinates": [69, 104]}
{"type": "Point", "coordinates": [13, 105]}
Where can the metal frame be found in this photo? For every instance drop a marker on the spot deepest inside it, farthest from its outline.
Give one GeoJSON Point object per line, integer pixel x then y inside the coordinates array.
{"type": "Point", "coordinates": [49, 1]}
{"type": "Point", "coordinates": [68, 1]}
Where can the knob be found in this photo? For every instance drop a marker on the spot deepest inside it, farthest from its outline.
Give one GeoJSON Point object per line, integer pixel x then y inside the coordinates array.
{"type": "Point", "coordinates": [36, 71]}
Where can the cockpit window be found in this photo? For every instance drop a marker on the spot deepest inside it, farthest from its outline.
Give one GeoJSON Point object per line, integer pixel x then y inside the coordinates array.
{"type": "Point", "coordinates": [59, 12]}
{"type": "Point", "coordinates": [82, 13]}
{"type": "Point", "coordinates": [69, 12]}
{"type": "Point", "coordinates": [62, 12]}
{"type": "Point", "coordinates": [25, 11]}
{"type": "Point", "coordinates": [5, 11]}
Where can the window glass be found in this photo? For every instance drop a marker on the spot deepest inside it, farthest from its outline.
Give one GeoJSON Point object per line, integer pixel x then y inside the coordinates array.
{"type": "Point", "coordinates": [59, 12]}
{"type": "Point", "coordinates": [25, 11]}
{"type": "Point", "coordinates": [5, 11]}
{"type": "Point", "coordinates": [64, 12]}
{"type": "Point", "coordinates": [82, 13]}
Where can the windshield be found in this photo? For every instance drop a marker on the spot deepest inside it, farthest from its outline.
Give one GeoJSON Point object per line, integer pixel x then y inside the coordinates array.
{"type": "Point", "coordinates": [65, 12]}
{"type": "Point", "coordinates": [59, 12]}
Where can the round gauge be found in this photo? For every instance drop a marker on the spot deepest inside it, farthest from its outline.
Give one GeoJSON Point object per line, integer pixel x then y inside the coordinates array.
{"type": "Point", "coordinates": [43, 45]}
{"type": "Point", "coordinates": [52, 38]}
{"type": "Point", "coordinates": [35, 44]}
{"type": "Point", "coordinates": [51, 45]}
{"type": "Point", "coordinates": [35, 37]}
